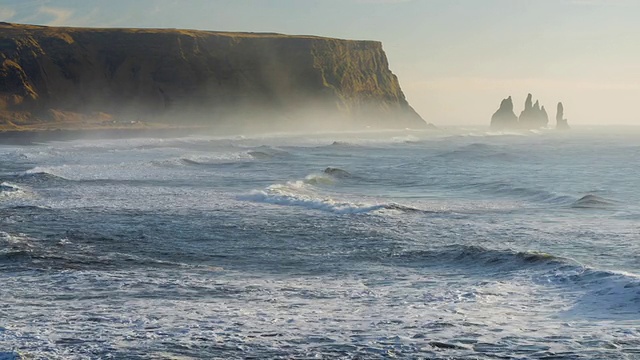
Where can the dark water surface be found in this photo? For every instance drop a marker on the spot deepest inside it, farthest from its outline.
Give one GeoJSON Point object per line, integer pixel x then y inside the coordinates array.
{"type": "Point", "coordinates": [441, 244]}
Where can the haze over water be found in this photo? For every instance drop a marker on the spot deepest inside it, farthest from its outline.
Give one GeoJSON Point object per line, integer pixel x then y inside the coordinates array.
{"type": "Point", "coordinates": [453, 243]}
{"type": "Point", "coordinates": [455, 59]}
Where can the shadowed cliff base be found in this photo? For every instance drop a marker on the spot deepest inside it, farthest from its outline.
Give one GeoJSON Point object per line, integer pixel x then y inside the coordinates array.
{"type": "Point", "coordinates": [88, 78]}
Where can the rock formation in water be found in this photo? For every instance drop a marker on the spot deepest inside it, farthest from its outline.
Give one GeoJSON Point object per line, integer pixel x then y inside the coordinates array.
{"type": "Point", "coordinates": [561, 122]}
{"type": "Point", "coordinates": [83, 77]}
{"type": "Point", "coordinates": [533, 116]}
{"type": "Point", "coordinates": [504, 117]}
{"type": "Point", "coordinates": [544, 116]}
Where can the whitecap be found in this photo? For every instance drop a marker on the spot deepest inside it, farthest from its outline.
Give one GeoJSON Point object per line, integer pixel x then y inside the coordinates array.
{"type": "Point", "coordinates": [8, 190]}
{"type": "Point", "coordinates": [310, 202]}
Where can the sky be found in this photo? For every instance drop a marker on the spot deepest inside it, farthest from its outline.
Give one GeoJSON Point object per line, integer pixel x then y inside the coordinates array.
{"type": "Point", "coordinates": [455, 59]}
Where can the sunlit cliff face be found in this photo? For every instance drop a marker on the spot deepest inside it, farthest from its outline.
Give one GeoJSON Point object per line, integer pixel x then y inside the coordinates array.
{"type": "Point", "coordinates": [225, 80]}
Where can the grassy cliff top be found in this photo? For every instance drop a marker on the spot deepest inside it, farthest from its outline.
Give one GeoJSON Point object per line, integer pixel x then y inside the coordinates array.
{"type": "Point", "coordinates": [60, 30]}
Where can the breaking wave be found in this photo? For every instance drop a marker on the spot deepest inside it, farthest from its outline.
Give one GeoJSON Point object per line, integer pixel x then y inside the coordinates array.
{"type": "Point", "coordinates": [14, 247]}
{"type": "Point", "coordinates": [277, 197]}
{"type": "Point", "coordinates": [606, 293]}
{"type": "Point", "coordinates": [40, 175]}
{"type": "Point", "coordinates": [8, 190]}
{"type": "Point", "coordinates": [599, 293]}
{"type": "Point", "coordinates": [302, 193]}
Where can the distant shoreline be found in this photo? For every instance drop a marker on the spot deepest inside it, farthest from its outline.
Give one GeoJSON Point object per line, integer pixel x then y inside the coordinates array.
{"type": "Point", "coordinates": [33, 136]}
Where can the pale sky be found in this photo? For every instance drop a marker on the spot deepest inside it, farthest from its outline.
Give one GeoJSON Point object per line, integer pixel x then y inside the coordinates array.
{"type": "Point", "coordinates": [456, 59]}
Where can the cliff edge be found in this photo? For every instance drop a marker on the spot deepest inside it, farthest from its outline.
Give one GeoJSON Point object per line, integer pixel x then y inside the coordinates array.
{"type": "Point", "coordinates": [60, 77]}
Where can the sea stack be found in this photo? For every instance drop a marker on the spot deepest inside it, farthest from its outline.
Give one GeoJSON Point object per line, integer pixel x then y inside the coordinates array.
{"type": "Point", "coordinates": [561, 122]}
{"type": "Point", "coordinates": [504, 117]}
{"type": "Point", "coordinates": [533, 117]}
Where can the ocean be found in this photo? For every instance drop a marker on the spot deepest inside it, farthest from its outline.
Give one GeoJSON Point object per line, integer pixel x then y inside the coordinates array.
{"type": "Point", "coordinates": [440, 244]}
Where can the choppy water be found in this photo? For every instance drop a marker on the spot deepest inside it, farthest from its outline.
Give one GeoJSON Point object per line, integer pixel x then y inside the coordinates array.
{"type": "Point", "coordinates": [440, 244]}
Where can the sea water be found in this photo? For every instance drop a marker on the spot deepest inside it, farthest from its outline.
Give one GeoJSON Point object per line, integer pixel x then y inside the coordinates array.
{"type": "Point", "coordinates": [454, 243]}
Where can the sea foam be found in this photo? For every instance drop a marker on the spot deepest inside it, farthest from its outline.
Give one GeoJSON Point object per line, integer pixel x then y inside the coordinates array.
{"type": "Point", "coordinates": [300, 193]}
{"type": "Point", "coordinates": [8, 190]}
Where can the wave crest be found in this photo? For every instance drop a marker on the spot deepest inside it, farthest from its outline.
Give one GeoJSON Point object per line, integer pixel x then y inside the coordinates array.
{"type": "Point", "coordinates": [41, 175]}
{"type": "Point", "coordinates": [474, 256]}
{"type": "Point", "coordinates": [591, 201]}
{"type": "Point", "coordinates": [267, 153]}
{"type": "Point", "coordinates": [10, 190]}
{"type": "Point", "coordinates": [302, 193]}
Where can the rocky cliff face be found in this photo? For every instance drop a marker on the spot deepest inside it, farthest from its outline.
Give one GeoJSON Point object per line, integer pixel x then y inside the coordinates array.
{"type": "Point", "coordinates": [233, 80]}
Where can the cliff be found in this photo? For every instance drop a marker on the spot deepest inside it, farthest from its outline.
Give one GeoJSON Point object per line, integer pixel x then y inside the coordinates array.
{"type": "Point", "coordinates": [83, 77]}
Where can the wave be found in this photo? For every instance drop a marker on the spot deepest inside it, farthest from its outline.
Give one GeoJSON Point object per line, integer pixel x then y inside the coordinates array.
{"type": "Point", "coordinates": [14, 247]}
{"type": "Point", "coordinates": [339, 145]}
{"type": "Point", "coordinates": [342, 144]}
{"type": "Point", "coordinates": [40, 175]}
{"type": "Point", "coordinates": [319, 179]}
{"type": "Point", "coordinates": [10, 190]}
{"type": "Point", "coordinates": [478, 151]}
{"type": "Point", "coordinates": [323, 204]}
{"type": "Point", "coordinates": [228, 158]}
{"type": "Point", "coordinates": [29, 207]}
{"type": "Point", "coordinates": [267, 152]}
{"type": "Point", "coordinates": [478, 256]}
{"type": "Point", "coordinates": [597, 293]}
{"type": "Point", "coordinates": [330, 176]}
{"type": "Point", "coordinates": [606, 294]}
{"type": "Point", "coordinates": [531, 194]}
{"type": "Point", "coordinates": [261, 155]}
{"type": "Point", "coordinates": [204, 160]}
{"type": "Point", "coordinates": [19, 251]}
{"type": "Point", "coordinates": [303, 194]}
{"type": "Point", "coordinates": [591, 201]}
{"type": "Point", "coordinates": [337, 173]}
